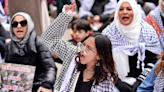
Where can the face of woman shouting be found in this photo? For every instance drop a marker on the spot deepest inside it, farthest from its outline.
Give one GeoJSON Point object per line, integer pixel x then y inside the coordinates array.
{"type": "Point", "coordinates": [89, 54]}
{"type": "Point", "coordinates": [95, 55]}
{"type": "Point", "coordinates": [125, 13]}
{"type": "Point", "coordinates": [19, 25]}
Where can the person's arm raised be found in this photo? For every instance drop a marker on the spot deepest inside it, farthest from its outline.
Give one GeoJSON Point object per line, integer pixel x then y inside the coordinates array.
{"type": "Point", "coordinates": [53, 34]}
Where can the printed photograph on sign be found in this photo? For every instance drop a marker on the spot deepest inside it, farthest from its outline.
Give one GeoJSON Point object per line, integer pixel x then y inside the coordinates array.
{"type": "Point", "coordinates": [16, 77]}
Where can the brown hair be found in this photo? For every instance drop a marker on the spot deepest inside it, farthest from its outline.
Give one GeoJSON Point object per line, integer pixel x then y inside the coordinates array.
{"type": "Point", "coordinates": [104, 49]}
{"type": "Point", "coordinates": [160, 67]}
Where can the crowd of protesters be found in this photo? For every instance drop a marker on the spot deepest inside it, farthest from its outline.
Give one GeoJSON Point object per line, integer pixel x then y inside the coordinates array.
{"type": "Point", "coordinates": [116, 45]}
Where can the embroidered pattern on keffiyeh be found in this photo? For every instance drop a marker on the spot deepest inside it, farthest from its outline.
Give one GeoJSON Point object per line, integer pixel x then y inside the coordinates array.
{"type": "Point", "coordinates": [157, 16]}
{"type": "Point", "coordinates": [148, 41]}
{"type": "Point", "coordinates": [147, 36]}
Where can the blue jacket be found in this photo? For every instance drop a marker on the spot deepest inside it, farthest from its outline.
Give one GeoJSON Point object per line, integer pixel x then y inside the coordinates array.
{"type": "Point", "coordinates": [148, 84]}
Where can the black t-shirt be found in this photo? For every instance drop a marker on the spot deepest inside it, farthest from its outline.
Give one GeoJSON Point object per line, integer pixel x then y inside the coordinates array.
{"type": "Point", "coordinates": [83, 86]}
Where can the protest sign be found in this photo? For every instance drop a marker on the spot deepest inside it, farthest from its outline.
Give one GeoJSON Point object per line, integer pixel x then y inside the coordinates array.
{"type": "Point", "coordinates": [16, 77]}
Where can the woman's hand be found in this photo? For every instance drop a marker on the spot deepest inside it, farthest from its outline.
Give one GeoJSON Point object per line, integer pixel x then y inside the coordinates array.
{"type": "Point", "coordinates": [71, 7]}
{"type": "Point", "coordinates": [41, 89]}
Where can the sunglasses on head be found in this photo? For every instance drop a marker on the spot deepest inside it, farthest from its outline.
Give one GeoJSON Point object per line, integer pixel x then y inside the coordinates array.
{"type": "Point", "coordinates": [15, 23]}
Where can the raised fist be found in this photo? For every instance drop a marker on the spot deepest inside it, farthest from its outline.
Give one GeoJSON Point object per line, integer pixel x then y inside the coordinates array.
{"type": "Point", "coordinates": [71, 7]}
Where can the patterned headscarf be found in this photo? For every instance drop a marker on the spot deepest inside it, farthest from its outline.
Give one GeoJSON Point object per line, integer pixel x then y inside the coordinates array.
{"type": "Point", "coordinates": [21, 42]}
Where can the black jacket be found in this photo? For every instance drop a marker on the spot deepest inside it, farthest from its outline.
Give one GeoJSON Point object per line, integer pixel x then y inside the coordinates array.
{"type": "Point", "coordinates": [3, 34]}
{"type": "Point", "coordinates": [36, 54]}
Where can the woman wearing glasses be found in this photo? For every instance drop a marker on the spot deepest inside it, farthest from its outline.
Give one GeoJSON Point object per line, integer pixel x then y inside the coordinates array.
{"type": "Point", "coordinates": [27, 48]}
{"type": "Point", "coordinates": [91, 69]}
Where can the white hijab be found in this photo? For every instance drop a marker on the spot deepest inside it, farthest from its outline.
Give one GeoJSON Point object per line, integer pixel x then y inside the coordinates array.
{"type": "Point", "coordinates": [131, 32]}
{"type": "Point", "coordinates": [160, 8]}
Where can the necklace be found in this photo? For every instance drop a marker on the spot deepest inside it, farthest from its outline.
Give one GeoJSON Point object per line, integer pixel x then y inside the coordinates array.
{"type": "Point", "coordinates": [89, 71]}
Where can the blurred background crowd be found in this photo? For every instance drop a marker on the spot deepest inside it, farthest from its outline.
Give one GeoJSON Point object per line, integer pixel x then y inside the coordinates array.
{"type": "Point", "coordinates": [91, 16]}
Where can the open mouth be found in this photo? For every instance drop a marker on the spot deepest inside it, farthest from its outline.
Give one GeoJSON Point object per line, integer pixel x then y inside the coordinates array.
{"type": "Point", "coordinates": [125, 18]}
{"type": "Point", "coordinates": [19, 31]}
{"type": "Point", "coordinates": [82, 57]}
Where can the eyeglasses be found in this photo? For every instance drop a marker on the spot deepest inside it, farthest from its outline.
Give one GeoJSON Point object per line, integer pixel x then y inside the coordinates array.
{"type": "Point", "coordinates": [15, 23]}
{"type": "Point", "coordinates": [81, 47]}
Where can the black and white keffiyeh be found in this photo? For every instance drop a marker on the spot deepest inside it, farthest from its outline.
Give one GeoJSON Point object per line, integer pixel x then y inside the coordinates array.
{"type": "Point", "coordinates": [148, 41]}
{"type": "Point", "coordinates": [63, 49]}
{"type": "Point", "coordinates": [156, 14]}
{"type": "Point", "coordinates": [127, 40]}
{"type": "Point", "coordinates": [68, 76]}
{"type": "Point", "coordinates": [66, 52]}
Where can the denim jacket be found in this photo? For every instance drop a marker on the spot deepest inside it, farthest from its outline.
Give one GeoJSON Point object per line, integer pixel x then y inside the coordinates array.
{"type": "Point", "coordinates": [148, 84]}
